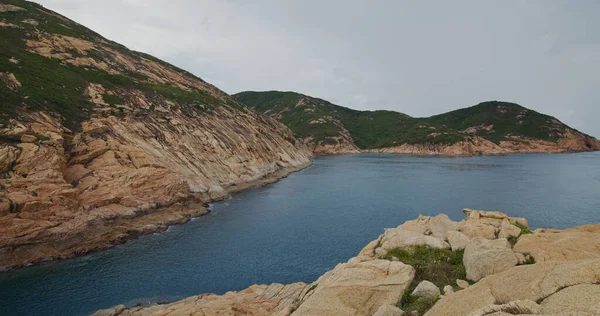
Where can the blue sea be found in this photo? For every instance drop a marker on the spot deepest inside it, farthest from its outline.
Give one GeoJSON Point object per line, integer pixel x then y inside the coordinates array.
{"type": "Point", "coordinates": [300, 227]}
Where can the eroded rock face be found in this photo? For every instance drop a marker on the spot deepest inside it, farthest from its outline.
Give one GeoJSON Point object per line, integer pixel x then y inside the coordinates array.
{"type": "Point", "coordinates": [122, 177]}
{"type": "Point", "coordinates": [357, 288]}
{"type": "Point", "coordinates": [257, 300]}
{"type": "Point", "coordinates": [551, 285]}
{"type": "Point", "coordinates": [571, 141]}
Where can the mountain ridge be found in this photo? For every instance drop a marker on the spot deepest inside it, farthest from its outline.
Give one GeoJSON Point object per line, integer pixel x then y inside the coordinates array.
{"type": "Point", "coordinates": [491, 127]}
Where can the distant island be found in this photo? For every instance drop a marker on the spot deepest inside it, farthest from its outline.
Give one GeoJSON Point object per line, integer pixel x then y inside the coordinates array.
{"type": "Point", "coordinates": [488, 128]}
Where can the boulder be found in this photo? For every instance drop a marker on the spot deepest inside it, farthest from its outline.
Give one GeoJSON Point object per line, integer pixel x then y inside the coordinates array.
{"type": "Point", "coordinates": [508, 230]}
{"type": "Point", "coordinates": [519, 220]}
{"type": "Point", "coordinates": [388, 310]}
{"type": "Point", "coordinates": [426, 289]}
{"type": "Point", "coordinates": [462, 284]}
{"type": "Point", "coordinates": [28, 138]}
{"type": "Point", "coordinates": [448, 289]}
{"type": "Point", "coordinates": [566, 245]}
{"type": "Point", "coordinates": [401, 238]}
{"type": "Point", "coordinates": [484, 257]}
{"type": "Point", "coordinates": [458, 240]}
{"type": "Point", "coordinates": [440, 225]}
{"type": "Point", "coordinates": [358, 288]}
{"type": "Point", "coordinates": [475, 230]}
{"type": "Point", "coordinates": [560, 287]}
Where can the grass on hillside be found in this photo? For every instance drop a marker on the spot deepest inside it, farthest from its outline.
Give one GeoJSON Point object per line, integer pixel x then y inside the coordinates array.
{"type": "Point", "coordinates": [49, 85]}
{"type": "Point", "coordinates": [379, 129]}
{"type": "Point", "coordinates": [440, 266]}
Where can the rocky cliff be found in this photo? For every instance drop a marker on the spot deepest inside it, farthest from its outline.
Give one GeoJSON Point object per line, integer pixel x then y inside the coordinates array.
{"type": "Point", "coordinates": [489, 128]}
{"type": "Point", "coordinates": [100, 144]}
{"type": "Point", "coordinates": [487, 264]}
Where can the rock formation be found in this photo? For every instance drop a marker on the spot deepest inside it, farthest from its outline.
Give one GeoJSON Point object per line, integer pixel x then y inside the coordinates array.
{"type": "Point", "coordinates": [371, 284]}
{"type": "Point", "coordinates": [100, 144]}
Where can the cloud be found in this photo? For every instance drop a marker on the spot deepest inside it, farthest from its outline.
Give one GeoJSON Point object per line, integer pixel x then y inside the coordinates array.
{"type": "Point", "coordinates": [417, 57]}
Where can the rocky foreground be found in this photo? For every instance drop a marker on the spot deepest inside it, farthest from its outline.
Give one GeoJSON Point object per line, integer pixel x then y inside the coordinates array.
{"type": "Point", "coordinates": [546, 272]}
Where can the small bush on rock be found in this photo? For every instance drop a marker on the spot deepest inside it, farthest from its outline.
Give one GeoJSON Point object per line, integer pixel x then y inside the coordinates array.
{"type": "Point", "coordinates": [440, 266]}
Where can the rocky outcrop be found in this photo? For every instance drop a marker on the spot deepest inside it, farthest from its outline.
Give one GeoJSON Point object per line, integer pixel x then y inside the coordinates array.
{"type": "Point", "coordinates": [123, 177]}
{"type": "Point", "coordinates": [359, 287]}
{"type": "Point", "coordinates": [257, 300]}
{"type": "Point", "coordinates": [370, 284]}
{"type": "Point", "coordinates": [548, 287]}
{"type": "Point", "coordinates": [562, 245]}
{"type": "Point", "coordinates": [106, 144]}
{"type": "Point", "coordinates": [571, 141]}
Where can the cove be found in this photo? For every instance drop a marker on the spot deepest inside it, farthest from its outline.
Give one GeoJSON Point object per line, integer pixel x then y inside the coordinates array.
{"type": "Point", "coordinates": [300, 227]}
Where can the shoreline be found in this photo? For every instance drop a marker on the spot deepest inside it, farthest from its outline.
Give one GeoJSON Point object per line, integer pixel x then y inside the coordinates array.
{"type": "Point", "coordinates": [425, 155]}
{"type": "Point", "coordinates": [157, 221]}
{"type": "Point", "coordinates": [493, 250]}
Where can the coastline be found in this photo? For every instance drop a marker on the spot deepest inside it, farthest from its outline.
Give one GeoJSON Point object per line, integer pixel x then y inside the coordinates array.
{"type": "Point", "coordinates": [391, 151]}
{"type": "Point", "coordinates": [145, 222]}
{"type": "Point", "coordinates": [507, 267]}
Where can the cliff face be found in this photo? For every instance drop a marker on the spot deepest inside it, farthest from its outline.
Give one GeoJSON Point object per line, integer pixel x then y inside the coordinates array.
{"type": "Point", "coordinates": [99, 144]}
{"type": "Point", "coordinates": [541, 272]}
{"type": "Point", "coordinates": [489, 128]}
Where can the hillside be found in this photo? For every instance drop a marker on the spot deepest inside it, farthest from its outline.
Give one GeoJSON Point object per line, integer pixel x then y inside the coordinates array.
{"type": "Point", "coordinates": [487, 128]}
{"type": "Point", "coordinates": [100, 144]}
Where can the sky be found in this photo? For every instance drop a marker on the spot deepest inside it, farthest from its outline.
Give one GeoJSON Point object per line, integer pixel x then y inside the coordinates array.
{"type": "Point", "coordinates": [417, 57]}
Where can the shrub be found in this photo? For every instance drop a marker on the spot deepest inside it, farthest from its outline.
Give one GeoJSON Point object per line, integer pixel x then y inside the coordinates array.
{"type": "Point", "coordinates": [439, 266]}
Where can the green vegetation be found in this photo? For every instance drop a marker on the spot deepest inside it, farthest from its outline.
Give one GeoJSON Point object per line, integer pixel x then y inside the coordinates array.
{"type": "Point", "coordinates": [440, 266]}
{"type": "Point", "coordinates": [378, 129]}
{"type": "Point", "coordinates": [56, 87]}
{"type": "Point", "coordinates": [113, 99]}
{"type": "Point", "coordinates": [512, 240]}
{"type": "Point", "coordinates": [529, 260]}
{"type": "Point", "coordinates": [41, 137]}
{"type": "Point", "coordinates": [312, 288]}
{"type": "Point", "coordinates": [524, 230]}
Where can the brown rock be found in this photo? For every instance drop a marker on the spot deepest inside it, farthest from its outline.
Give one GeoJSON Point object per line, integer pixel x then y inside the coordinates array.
{"type": "Point", "coordinates": [555, 245]}
{"type": "Point", "coordinates": [358, 288]}
{"type": "Point", "coordinates": [28, 138]}
{"type": "Point", "coordinates": [259, 300]}
{"type": "Point", "coordinates": [536, 283]}
{"type": "Point", "coordinates": [484, 257]}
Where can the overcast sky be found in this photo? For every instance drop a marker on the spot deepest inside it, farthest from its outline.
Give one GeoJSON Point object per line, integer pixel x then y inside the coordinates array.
{"type": "Point", "coordinates": [417, 57]}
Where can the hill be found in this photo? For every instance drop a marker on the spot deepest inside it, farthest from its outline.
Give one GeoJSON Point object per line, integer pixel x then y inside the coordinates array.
{"type": "Point", "coordinates": [487, 128]}
{"type": "Point", "coordinates": [100, 144]}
